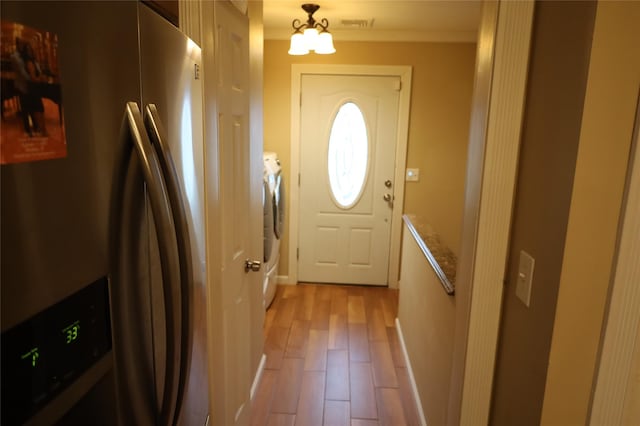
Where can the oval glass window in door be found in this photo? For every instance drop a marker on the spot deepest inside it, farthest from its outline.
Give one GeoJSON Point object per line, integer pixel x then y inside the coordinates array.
{"type": "Point", "coordinates": [348, 155]}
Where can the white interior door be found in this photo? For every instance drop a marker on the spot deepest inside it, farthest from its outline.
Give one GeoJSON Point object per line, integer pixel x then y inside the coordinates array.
{"type": "Point", "coordinates": [232, 44]}
{"type": "Point", "coordinates": [348, 131]}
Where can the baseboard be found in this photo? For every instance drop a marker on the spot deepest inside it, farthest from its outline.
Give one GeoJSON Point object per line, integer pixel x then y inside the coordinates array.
{"type": "Point", "coordinates": [412, 379]}
{"type": "Point", "coordinates": [284, 279]}
{"type": "Point", "coordinates": [258, 377]}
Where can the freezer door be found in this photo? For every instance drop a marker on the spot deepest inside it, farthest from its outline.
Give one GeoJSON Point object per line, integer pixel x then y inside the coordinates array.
{"type": "Point", "coordinates": [55, 213]}
{"type": "Point", "coordinates": [171, 85]}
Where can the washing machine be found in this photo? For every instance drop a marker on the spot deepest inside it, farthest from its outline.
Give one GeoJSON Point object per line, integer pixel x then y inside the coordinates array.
{"type": "Point", "coordinates": [273, 203]}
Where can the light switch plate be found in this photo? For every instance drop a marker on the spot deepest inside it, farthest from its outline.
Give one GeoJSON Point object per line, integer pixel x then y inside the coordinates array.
{"type": "Point", "coordinates": [525, 277]}
{"type": "Point", "coordinates": [413, 175]}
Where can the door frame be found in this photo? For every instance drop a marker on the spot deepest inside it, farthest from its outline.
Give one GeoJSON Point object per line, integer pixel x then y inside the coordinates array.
{"type": "Point", "coordinates": [621, 336]}
{"type": "Point", "coordinates": [402, 135]}
{"type": "Point", "coordinates": [504, 44]}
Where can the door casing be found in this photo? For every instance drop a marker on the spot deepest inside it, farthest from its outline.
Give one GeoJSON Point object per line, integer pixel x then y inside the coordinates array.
{"type": "Point", "coordinates": [404, 73]}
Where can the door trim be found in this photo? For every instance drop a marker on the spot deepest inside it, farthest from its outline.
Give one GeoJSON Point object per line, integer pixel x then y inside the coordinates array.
{"type": "Point", "coordinates": [621, 335]}
{"type": "Point", "coordinates": [404, 73]}
{"type": "Point", "coordinates": [497, 113]}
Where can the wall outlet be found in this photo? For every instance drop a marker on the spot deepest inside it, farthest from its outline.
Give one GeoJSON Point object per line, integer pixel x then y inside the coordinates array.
{"type": "Point", "coordinates": [413, 175]}
{"type": "Point", "coordinates": [525, 277]}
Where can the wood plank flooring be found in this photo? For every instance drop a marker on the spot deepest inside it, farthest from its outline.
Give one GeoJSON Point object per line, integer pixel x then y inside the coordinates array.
{"type": "Point", "coordinates": [333, 359]}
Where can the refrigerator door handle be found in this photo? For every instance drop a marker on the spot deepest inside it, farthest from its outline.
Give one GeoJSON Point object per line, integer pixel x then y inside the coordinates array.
{"type": "Point", "coordinates": [165, 229]}
{"type": "Point", "coordinates": [160, 142]}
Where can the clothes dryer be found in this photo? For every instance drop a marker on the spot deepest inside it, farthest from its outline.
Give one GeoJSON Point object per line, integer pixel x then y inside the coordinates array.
{"type": "Point", "coordinates": [273, 203]}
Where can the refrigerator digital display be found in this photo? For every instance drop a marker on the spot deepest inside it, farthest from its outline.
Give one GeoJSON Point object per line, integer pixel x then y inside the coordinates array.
{"type": "Point", "coordinates": [32, 356]}
{"type": "Point", "coordinates": [45, 354]}
{"type": "Point", "coordinates": [71, 332]}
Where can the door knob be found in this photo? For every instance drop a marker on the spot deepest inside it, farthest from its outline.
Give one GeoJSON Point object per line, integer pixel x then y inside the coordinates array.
{"type": "Point", "coordinates": [252, 265]}
{"type": "Point", "coordinates": [387, 183]}
{"type": "Point", "coordinates": [389, 199]}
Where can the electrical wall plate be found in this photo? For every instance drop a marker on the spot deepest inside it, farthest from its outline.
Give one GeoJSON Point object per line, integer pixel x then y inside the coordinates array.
{"type": "Point", "coordinates": [525, 277]}
{"type": "Point", "coordinates": [413, 175]}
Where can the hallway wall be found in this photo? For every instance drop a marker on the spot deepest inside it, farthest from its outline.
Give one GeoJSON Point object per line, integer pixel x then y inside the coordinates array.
{"type": "Point", "coordinates": [583, 87]}
{"type": "Point", "coordinates": [559, 58]}
{"type": "Point", "coordinates": [603, 159]}
{"type": "Point", "coordinates": [438, 126]}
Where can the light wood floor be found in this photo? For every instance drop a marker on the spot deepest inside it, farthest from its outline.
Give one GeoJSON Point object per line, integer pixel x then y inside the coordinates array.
{"type": "Point", "coordinates": [333, 358]}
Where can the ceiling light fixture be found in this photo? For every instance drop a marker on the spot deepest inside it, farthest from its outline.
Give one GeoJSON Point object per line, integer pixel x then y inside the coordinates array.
{"type": "Point", "coordinates": [311, 35]}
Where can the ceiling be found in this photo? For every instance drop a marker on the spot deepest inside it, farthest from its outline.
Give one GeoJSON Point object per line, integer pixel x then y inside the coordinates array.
{"type": "Point", "coordinates": [380, 20]}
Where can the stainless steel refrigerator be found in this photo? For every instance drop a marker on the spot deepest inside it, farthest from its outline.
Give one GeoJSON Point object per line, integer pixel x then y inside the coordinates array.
{"type": "Point", "coordinates": [103, 281]}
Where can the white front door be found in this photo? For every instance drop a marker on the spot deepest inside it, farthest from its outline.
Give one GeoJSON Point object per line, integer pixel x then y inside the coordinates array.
{"type": "Point", "coordinates": [348, 133]}
{"type": "Point", "coordinates": [232, 55]}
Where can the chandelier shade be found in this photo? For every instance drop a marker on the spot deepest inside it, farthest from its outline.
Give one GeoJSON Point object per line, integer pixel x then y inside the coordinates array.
{"type": "Point", "coordinates": [298, 45]}
{"type": "Point", "coordinates": [311, 35]}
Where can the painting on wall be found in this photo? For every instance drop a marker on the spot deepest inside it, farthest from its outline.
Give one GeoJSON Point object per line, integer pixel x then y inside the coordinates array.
{"type": "Point", "coordinates": [32, 119]}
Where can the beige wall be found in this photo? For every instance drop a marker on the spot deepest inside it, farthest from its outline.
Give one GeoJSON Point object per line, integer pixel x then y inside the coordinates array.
{"type": "Point", "coordinates": [603, 156]}
{"type": "Point", "coordinates": [426, 314]}
{"type": "Point", "coordinates": [438, 129]}
{"type": "Point", "coordinates": [559, 59]}
{"type": "Point", "coordinates": [583, 87]}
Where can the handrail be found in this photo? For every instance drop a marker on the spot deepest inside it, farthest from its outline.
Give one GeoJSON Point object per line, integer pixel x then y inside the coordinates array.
{"type": "Point", "coordinates": [446, 284]}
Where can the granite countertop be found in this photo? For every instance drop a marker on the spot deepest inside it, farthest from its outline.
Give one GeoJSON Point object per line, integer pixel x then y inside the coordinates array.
{"type": "Point", "coordinates": [441, 258]}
